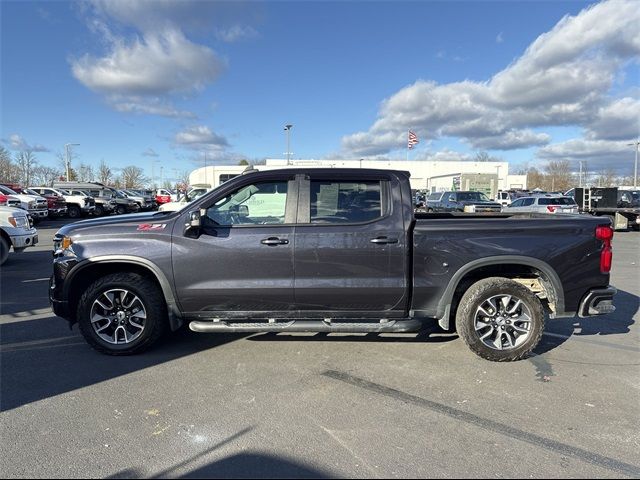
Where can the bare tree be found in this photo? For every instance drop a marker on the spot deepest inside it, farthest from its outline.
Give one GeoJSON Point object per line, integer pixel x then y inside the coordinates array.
{"type": "Point", "coordinates": [85, 173]}
{"type": "Point", "coordinates": [607, 178]}
{"type": "Point", "coordinates": [559, 176]}
{"type": "Point", "coordinates": [8, 169]}
{"type": "Point", "coordinates": [26, 162]}
{"type": "Point", "coordinates": [132, 177]}
{"type": "Point", "coordinates": [44, 176]}
{"type": "Point", "coordinates": [184, 178]}
{"type": "Point", "coordinates": [105, 175]}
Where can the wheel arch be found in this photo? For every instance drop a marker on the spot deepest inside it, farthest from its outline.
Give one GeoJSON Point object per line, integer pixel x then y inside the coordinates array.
{"type": "Point", "coordinates": [508, 266]}
{"type": "Point", "coordinates": [89, 270]}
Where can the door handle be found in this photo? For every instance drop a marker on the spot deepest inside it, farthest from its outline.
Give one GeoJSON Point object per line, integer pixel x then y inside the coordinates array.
{"type": "Point", "coordinates": [383, 240]}
{"type": "Point", "coordinates": [272, 241]}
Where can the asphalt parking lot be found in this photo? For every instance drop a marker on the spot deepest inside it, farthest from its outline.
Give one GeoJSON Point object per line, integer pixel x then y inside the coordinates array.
{"type": "Point", "coordinates": [316, 405]}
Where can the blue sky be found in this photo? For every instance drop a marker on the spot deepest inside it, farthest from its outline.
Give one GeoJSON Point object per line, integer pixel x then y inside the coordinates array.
{"type": "Point", "coordinates": [136, 81]}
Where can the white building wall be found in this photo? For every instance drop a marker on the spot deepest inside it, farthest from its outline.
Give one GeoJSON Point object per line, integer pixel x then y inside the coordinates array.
{"type": "Point", "coordinates": [424, 174]}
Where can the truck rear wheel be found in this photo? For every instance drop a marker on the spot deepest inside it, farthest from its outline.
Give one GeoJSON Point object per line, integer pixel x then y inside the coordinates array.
{"type": "Point", "coordinates": [500, 320]}
{"type": "Point", "coordinates": [122, 314]}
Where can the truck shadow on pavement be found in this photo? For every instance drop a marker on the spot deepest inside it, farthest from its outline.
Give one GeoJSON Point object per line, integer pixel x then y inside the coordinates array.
{"type": "Point", "coordinates": [558, 331]}
{"type": "Point", "coordinates": [42, 358]}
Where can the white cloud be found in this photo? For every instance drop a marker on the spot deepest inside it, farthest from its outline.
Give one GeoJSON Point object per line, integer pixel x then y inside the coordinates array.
{"type": "Point", "coordinates": [599, 154]}
{"type": "Point", "coordinates": [619, 120]}
{"type": "Point", "coordinates": [500, 38]}
{"type": "Point", "coordinates": [159, 63]}
{"type": "Point", "coordinates": [562, 79]}
{"type": "Point", "coordinates": [150, 106]}
{"type": "Point", "coordinates": [236, 33]}
{"type": "Point", "coordinates": [200, 137]}
{"type": "Point", "coordinates": [17, 142]}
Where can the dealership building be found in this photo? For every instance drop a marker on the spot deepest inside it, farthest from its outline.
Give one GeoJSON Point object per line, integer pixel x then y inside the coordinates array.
{"type": "Point", "coordinates": [431, 176]}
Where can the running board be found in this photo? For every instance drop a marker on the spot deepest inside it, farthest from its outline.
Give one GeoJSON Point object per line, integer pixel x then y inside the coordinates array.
{"type": "Point", "coordinates": [397, 326]}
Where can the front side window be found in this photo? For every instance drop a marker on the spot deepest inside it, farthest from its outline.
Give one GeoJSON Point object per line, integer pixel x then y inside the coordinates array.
{"type": "Point", "coordinates": [261, 203]}
{"type": "Point", "coordinates": [517, 203]}
{"type": "Point", "coordinates": [336, 201]}
{"type": "Point", "coordinates": [528, 201]}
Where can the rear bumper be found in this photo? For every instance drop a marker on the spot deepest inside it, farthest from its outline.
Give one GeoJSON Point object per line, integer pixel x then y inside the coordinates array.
{"type": "Point", "coordinates": [597, 302]}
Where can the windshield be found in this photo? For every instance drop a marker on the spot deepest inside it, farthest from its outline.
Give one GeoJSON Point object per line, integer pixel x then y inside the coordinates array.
{"type": "Point", "coordinates": [472, 197]}
{"type": "Point", "coordinates": [7, 190]}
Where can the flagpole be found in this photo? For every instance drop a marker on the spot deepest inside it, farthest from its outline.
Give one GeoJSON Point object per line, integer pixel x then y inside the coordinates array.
{"type": "Point", "coordinates": [408, 130]}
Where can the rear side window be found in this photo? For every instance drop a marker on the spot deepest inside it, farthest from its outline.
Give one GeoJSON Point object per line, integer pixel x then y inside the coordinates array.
{"type": "Point", "coordinates": [556, 201]}
{"type": "Point", "coordinates": [345, 202]}
{"type": "Point", "coordinates": [527, 201]}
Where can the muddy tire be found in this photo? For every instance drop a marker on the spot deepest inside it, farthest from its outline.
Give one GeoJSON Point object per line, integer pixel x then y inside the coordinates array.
{"type": "Point", "coordinates": [500, 320]}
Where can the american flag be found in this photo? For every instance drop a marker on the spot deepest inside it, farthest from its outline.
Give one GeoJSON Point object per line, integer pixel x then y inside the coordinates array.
{"type": "Point", "coordinates": [413, 139]}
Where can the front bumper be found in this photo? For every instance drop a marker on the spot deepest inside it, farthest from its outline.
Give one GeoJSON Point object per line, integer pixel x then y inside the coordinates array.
{"type": "Point", "coordinates": [598, 301]}
{"type": "Point", "coordinates": [59, 307]}
{"type": "Point", "coordinates": [58, 211]}
{"type": "Point", "coordinates": [39, 213]}
{"type": "Point", "coordinates": [23, 241]}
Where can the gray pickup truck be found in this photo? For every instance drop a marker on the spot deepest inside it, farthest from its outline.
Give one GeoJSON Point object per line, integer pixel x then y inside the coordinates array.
{"type": "Point", "coordinates": [328, 250]}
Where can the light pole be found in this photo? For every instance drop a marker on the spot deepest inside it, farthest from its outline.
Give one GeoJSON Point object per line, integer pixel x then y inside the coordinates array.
{"type": "Point", "coordinates": [288, 130]}
{"type": "Point", "coordinates": [635, 165]}
{"type": "Point", "coordinates": [580, 178]}
{"type": "Point", "coordinates": [498, 172]}
{"type": "Point", "coordinates": [66, 156]}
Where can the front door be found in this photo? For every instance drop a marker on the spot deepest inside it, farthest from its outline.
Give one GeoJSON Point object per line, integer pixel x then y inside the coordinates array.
{"type": "Point", "coordinates": [350, 251]}
{"type": "Point", "coordinates": [243, 259]}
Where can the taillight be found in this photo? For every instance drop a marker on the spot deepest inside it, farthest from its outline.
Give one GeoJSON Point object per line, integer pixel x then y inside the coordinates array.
{"type": "Point", "coordinates": [551, 208]}
{"type": "Point", "coordinates": [605, 234]}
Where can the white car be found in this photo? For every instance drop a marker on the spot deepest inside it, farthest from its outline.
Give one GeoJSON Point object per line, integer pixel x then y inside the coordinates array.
{"type": "Point", "coordinates": [543, 204]}
{"type": "Point", "coordinates": [34, 204]}
{"type": "Point", "coordinates": [78, 203]}
{"type": "Point", "coordinates": [195, 192]}
{"type": "Point", "coordinates": [15, 231]}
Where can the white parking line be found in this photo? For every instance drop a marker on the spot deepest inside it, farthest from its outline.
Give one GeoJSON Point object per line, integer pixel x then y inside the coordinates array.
{"type": "Point", "coordinates": [36, 280]}
{"type": "Point", "coordinates": [601, 343]}
{"type": "Point", "coordinates": [25, 316]}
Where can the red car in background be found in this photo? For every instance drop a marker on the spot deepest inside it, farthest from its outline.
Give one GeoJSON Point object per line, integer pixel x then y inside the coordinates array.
{"type": "Point", "coordinates": [9, 201]}
{"type": "Point", "coordinates": [56, 205]}
{"type": "Point", "coordinates": [163, 196]}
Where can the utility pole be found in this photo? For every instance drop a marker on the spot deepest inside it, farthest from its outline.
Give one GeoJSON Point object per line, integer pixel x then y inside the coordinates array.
{"type": "Point", "coordinates": [288, 130]}
{"type": "Point", "coordinates": [580, 178]}
{"type": "Point", "coordinates": [67, 160]}
{"type": "Point", "coordinates": [635, 165]}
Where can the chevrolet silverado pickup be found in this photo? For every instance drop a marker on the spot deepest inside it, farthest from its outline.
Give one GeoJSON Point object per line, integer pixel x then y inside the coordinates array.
{"type": "Point", "coordinates": [328, 250]}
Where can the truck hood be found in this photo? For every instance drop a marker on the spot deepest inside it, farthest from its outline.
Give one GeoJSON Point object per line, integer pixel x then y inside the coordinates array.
{"type": "Point", "coordinates": [133, 219]}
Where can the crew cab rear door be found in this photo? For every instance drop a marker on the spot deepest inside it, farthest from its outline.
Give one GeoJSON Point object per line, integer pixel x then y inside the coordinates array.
{"type": "Point", "coordinates": [351, 246]}
{"type": "Point", "coordinates": [243, 259]}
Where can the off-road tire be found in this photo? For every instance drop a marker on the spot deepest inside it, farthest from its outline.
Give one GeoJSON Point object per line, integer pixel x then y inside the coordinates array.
{"type": "Point", "coordinates": [121, 210]}
{"type": "Point", "coordinates": [148, 292]}
{"type": "Point", "coordinates": [476, 295]}
{"type": "Point", "coordinates": [99, 211]}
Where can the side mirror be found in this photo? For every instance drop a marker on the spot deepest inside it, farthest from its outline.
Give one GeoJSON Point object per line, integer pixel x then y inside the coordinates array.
{"type": "Point", "coordinates": [193, 225]}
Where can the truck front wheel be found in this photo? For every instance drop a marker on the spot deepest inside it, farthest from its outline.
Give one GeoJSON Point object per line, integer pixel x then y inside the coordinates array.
{"type": "Point", "coordinates": [500, 319]}
{"type": "Point", "coordinates": [122, 314]}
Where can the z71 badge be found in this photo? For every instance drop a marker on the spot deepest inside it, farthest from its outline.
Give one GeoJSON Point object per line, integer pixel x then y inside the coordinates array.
{"type": "Point", "coordinates": [145, 227]}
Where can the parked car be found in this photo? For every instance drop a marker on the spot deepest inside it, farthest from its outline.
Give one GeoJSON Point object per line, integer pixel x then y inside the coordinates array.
{"type": "Point", "coordinates": [364, 261]}
{"type": "Point", "coordinates": [16, 231]}
{"type": "Point", "coordinates": [9, 201]}
{"type": "Point", "coordinates": [105, 202]}
{"type": "Point", "coordinates": [34, 204]}
{"type": "Point", "coordinates": [123, 204]}
{"type": "Point", "coordinates": [461, 201]}
{"type": "Point", "coordinates": [194, 192]}
{"type": "Point", "coordinates": [57, 206]}
{"type": "Point", "coordinates": [165, 196]}
{"type": "Point", "coordinates": [78, 203]}
{"type": "Point", "coordinates": [543, 204]}
{"type": "Point", "coordinates": [144, 203]}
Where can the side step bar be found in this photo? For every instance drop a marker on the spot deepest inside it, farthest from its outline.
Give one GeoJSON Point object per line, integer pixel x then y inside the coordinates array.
{"type": "Point", "coordinates": [397, 326]}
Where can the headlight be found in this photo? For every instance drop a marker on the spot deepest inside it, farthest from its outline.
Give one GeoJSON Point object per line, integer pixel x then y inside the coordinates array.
{"type": "Point", "coordinates": [470, 208]}
{"type": "Point", "coordinates": [19, 222]}
{"type": "Point", "coordinates": [62, 243]}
